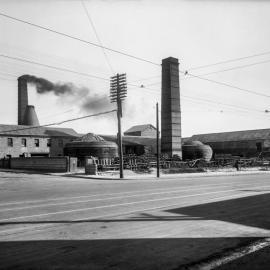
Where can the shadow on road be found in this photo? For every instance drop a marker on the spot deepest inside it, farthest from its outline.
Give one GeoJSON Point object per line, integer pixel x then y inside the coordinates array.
{"type": "Point", "coordinates": [120, 254]}
{"type": "Point", "coordinates": [141, 253]}
{"type": "Point", "coordinates": [253, 211]}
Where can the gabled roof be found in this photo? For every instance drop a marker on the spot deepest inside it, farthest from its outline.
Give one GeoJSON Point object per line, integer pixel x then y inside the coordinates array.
{"type": "Point", "coordinates": [131, 140]}
{"type": "Point", "coordinates": [257, 134]}
{"type": "Point", "coordinates": [20, 130]}
{"type": "Point", "coordinates": [139, 128]}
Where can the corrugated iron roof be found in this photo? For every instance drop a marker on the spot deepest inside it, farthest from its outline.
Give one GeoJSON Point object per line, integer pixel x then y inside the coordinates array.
{"type": "Point", "coordinates": [139, 128]}
{"type": "Point", "coordinates": [257, 134]}
{"type": "Point", "coordinates": [20, 130]}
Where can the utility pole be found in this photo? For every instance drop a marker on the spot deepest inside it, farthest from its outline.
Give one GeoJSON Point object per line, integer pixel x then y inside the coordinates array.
{"type": "Point", "coordinates": [118, 93]}
{"type": "Point", "coordinates": [157, 127]}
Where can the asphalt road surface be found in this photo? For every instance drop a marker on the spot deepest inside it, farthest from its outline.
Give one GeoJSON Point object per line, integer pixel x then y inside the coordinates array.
{"type": "Point", "coordinates": [66, 222]}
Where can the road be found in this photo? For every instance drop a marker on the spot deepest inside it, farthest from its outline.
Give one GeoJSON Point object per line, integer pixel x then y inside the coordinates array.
{"type": "Point", "coordinates": [68, 222]}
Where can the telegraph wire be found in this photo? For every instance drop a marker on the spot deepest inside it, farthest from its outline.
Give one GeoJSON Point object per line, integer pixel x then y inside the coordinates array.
{"type": "Point", "coordinates": [229, 61]}
{"type": "Point", "coordinates": [225, 84]}
{"type": "Point", "coordinates": [97, 36]}
{"type": "Point", "coordinates": [60, 122]}
{"type": "Point", "coordinates": [156, 91]}
{"type": "Point", "coordinates": [221, 103]}
{"type": "Point", "coordinates": [93, 76]}
{"type": "Point", "coordinates": [53, 67]}
{"type": "Point", "coordinates": [60, 68]}
{"type": "Point", "coordinates": [79, 39]}
{"type": "Point", "coordinates": [236, 67]}
{"type": "Point", "coordinates": [220, 71]}
{"type": "Point", "coordinates": [142, 59]}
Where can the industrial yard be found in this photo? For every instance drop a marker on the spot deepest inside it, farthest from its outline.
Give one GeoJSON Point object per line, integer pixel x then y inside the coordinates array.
{"type": "Point", "coordinates": [134, 135]}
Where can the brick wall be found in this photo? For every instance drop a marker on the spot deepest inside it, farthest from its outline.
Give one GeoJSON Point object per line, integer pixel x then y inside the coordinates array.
{"type": "Point", "coordinates": [17, 149]}
{"type": "Point", "coordinates": [58, 144]}
{"type": "Point", "coordinates": [56, 148]}
{"type": "Point", "coordinates": [46, 164]}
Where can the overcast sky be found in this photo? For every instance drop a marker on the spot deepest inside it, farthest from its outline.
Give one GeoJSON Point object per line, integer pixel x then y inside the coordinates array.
{"type": "Point", "coordinates": [196, 32]}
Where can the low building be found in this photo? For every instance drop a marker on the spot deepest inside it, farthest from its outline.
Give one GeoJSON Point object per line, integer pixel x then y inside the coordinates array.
{"type": "Point", "coordinates": [147, 130]}
{"type": "Point", "coordinates": [137, 145]}
{"type": "Point", "coordinates": [25, 141]}
{"type": "Point", "coordinates": [247, 143]}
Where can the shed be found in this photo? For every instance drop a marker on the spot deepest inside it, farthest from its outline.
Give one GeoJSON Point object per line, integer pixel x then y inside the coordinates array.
{"type": "Point", "coordinates": [146, 130]}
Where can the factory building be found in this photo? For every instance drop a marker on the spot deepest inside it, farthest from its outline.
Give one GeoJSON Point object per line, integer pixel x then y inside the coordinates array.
{"type": "Point", "coordinates": [247, 143]}
{"type": "Point", "coordinates": [20, 141]}
{"type": "Point", "coordinates": [27, 138]}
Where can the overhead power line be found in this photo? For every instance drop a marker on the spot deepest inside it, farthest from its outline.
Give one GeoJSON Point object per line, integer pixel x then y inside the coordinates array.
{"type": "Point", "coordinates": [53, 67]}
{"type": "Point", "coordinates": [97, 36]}
{"type": "Point", "coordinates": [229, 61]}
{"type": "Point", "coordinates": [225, 84]}
{"type": "Point", "coordinates": [79, 39]}
{"type": "Point", "coordinates": [237, 67]}
{"type": "Point", "coordinates": [156, 91]}
{"type": "Point", "coordinates": [221, 103]}
{"type": "Point", "coordinates": [59, 123]}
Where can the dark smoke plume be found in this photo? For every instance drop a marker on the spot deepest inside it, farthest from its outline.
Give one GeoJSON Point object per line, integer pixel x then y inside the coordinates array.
{"type": "Point", "coordinates": [45, 86]}
{"type": "Point", "coordinates": [82, 96]}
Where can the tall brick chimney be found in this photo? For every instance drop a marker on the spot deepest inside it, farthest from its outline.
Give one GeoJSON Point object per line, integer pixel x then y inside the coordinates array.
{"type": "Point", "coordinates": [22, 99]}
{"type": "Point", "coordinates": [170, 108]}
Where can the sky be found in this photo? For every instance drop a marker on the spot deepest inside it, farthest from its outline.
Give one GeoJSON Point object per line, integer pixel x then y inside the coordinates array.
{"type": "Point", "coordinates": [235, 95]}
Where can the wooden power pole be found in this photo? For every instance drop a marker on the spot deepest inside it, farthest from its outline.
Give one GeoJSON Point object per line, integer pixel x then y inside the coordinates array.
{"type": "Point", "coordinates": [157, 127]}
{"type": "Point", "coordinates": [118, 93]}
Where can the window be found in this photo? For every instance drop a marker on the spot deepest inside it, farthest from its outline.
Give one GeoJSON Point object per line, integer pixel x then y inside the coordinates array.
{"type": "Point", "coordinates": [259, 147]}
{"type": "Point", "coordinates": [24, 142]}
{"type": "Point", "coordinates": [10, 142]}
{"type": "Point", "coordinates": [49, 142]}
{"type": "Point", "coordinates": [60, 142]}
{"type": "Point", "coordinates": [37, 142]}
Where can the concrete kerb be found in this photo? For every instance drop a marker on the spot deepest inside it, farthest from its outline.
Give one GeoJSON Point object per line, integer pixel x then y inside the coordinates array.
{"type": "Point", "coordinates": [115, 176]}
{"type": "Point", "coordinates": [112, 175]}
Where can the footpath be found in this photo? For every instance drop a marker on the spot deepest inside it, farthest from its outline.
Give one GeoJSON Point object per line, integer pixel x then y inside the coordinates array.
{"type": "Point", "coordinates": [132, 175]}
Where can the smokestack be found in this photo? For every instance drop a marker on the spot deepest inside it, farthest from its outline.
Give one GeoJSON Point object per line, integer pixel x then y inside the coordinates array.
{"type": "Point", "coordinates": [22, 99]}
{"type": "Point", "coordinates": [30, 116]}
{"type": "Point", "coordinates": [170, 108]}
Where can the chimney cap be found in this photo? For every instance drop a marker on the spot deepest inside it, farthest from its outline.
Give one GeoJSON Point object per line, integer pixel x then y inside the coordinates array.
{"type": "Point", "coordinates": [23, 77]}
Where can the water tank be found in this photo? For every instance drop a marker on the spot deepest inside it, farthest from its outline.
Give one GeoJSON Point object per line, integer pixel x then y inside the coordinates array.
{"type": "Point", "coordinates": [196, 150]}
